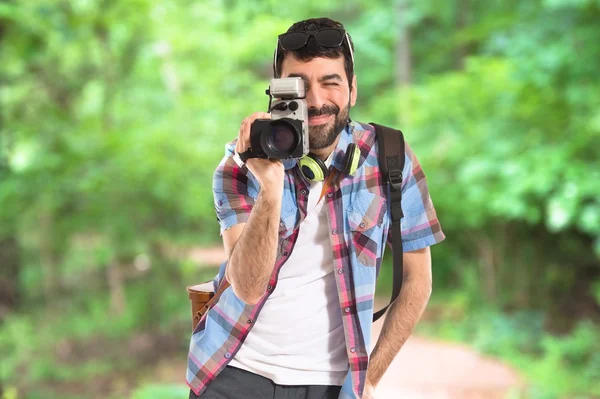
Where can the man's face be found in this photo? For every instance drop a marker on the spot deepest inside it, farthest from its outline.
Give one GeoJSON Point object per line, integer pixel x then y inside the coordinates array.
{"type": "Point", "coordinates": [328, 96]}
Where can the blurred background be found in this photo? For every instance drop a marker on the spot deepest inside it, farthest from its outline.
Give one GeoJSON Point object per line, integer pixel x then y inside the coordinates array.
{"type": "Point", "coordinates": [114, 115]}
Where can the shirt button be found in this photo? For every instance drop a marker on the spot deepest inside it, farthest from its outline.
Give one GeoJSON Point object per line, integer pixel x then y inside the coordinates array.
{"type": "Point", "coordinates": [269, 287]}
{"type": "Point", "coordinates": [347, 310]}
{"type": "Point", "coordinates": [334, 231]}
{"type": "Point", "coordinates": [340, 271]}
{"type": "Point", "coordinates": [228, 355]}
{"type": "Point", "coordinates": [353, 349]}
{"type": "Point", "coordinates": [303, 192]}
{"type": "Point", "coordinates": [285, 253]}
{"type": "Point", "coordinates": [362, 225]}
{"type": "Point", "coordinates": [249, 321]}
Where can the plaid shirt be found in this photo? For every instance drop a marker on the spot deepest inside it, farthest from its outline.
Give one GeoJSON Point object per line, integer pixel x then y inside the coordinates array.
{"type": "Point", "coordinates": [359, 227]}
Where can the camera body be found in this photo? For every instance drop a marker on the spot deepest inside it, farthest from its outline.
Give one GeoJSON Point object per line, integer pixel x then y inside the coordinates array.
{"type": "Point", "coordinates": [285, 135]}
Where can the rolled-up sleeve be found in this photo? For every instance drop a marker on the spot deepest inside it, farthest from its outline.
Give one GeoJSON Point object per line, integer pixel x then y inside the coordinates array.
{"type": "Point", "coordinates": [234, 191]}
{"type": "Point", "coordinates": [420, 225]}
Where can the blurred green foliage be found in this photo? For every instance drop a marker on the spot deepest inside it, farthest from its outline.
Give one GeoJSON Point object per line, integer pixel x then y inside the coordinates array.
{"type": "Point", "coordinates": [161, 392]}
{"type": "Point", "coordinates": [114, 114]}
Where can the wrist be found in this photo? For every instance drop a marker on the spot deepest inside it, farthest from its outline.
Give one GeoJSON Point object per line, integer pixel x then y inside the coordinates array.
{"type": "Point", "coordinates": [372, 381]}
{"type": "Point", "coordinates": [272, 190]}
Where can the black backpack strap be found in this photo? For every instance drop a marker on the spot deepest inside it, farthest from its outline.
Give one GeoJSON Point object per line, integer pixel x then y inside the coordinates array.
{"type": "Point", "coordinates": [391, 164]}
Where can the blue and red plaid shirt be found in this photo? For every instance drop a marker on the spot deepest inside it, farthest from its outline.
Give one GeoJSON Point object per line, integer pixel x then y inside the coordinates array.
{"type": "Point", "coordinates": [357, 210]}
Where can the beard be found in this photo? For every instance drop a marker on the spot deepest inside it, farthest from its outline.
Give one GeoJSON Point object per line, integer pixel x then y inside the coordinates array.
{"type": "Point", "coordinates": [322, 136]}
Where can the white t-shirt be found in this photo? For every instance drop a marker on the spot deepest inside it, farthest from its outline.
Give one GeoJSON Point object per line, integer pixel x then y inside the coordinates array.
{"type": "Point", "coordinates": [298, 338]}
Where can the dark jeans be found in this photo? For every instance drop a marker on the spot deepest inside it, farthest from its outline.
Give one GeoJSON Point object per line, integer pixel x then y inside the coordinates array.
{"type": "Point", "coordinates": [234, 383]}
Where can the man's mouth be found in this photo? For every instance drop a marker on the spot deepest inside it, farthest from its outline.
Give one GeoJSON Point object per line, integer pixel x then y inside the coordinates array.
{"type": "Point", "coordinates": [319, 120]}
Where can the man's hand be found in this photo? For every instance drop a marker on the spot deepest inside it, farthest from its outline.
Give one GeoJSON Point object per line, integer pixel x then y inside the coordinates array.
{"type": "Point", "coordinates": [268, 172]}
{"type": "Point", "coordinates": [369, 392]}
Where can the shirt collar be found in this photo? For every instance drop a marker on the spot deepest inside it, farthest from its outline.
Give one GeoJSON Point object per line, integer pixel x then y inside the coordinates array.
{"type": "Point", "coordinates": [339, 151]}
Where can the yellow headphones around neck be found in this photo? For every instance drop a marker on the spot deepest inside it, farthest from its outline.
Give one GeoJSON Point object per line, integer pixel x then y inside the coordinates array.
{"type": "Point", "coordinates": [315, 170]}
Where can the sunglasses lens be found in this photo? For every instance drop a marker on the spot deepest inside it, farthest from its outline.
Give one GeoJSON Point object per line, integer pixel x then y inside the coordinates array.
{"type": "Point", "coordinates": [293, 40]}
{"type": "Point", "coordinates": [330, 37]}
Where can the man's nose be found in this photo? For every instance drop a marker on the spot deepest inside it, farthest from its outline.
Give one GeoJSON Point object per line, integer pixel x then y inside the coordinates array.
{"type": "Point", "coordinates": [315, 97]}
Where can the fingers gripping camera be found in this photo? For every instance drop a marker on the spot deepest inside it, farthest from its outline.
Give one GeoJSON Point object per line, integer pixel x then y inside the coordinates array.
{"type": "Point", "coordinates": [285, 135]}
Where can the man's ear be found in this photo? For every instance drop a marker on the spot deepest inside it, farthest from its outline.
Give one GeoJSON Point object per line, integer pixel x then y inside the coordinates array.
{"type": "Point", "coordinates": [354, 92]}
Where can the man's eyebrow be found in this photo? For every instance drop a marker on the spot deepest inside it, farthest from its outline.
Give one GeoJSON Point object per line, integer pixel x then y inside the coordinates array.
{"type": "Point", "coordinates": [333, 76]}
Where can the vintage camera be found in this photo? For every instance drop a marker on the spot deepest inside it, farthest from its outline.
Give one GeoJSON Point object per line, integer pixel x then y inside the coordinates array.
{"type": "Point", "coordinates": [285, 135]}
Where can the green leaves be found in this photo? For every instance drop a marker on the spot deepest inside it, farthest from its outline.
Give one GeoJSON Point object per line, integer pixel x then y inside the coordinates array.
{"type": "Point", "coordinates": [503, 156]}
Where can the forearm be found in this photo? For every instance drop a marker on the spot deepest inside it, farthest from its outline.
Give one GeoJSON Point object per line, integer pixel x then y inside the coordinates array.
{"type": "Point", "coordinates": [251, 262]}
{"type": "Point", "coordinates": [402, 317]}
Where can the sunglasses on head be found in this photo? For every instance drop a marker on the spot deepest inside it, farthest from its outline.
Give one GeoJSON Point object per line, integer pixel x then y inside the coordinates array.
{"type": "Point", "coordinates": [326, 37]}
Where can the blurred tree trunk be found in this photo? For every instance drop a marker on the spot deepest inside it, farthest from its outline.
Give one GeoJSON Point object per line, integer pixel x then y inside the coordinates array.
{"type": "Point", "coordinates": [48, 255]}
{"type": "Point", "coordinates": [10, 262]}
{"type": "Point", "coordinates": [487, 268]}
{"type": "Point", "coordinates": [403, 48]}
{"type": "Point", "coordinates": [116, 286]}
{"type": "Point", "coordinates": [462, 21]}
{"type": "Point", "coordinates": [111, 75]}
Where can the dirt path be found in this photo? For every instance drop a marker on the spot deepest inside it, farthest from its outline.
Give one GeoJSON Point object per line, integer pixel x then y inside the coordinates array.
{"type": "Point", "coordinates": [427, 369]}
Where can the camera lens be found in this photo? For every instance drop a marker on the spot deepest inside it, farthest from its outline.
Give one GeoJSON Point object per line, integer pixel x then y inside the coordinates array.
{"type": "Point", "coordinates": [283, 138]}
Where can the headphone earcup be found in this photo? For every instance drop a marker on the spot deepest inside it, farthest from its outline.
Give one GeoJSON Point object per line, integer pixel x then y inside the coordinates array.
{"type": "Point", "coordinates": [313, 168]}
{"type": "Point", "coordinates": [351, 159]}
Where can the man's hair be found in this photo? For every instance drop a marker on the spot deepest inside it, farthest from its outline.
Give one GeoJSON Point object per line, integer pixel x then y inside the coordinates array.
{"type": "Point", "coordinates": [312, 49]}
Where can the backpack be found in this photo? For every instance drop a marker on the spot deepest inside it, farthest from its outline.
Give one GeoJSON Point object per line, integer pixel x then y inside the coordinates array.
{"type": "Point", "coordinates": [391, 163]}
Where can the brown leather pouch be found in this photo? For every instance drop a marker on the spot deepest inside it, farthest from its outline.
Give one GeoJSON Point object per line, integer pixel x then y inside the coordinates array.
{"type": "Point", "coordinates": [202, 297]}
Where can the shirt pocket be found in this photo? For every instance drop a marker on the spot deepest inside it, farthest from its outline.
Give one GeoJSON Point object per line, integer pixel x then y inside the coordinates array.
{"type": "Point", "coordinates": [365, 217]}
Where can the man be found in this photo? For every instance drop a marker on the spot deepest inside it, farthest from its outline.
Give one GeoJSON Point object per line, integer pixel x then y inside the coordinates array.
{"type": "Point", "coordinates": [303, 257]}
